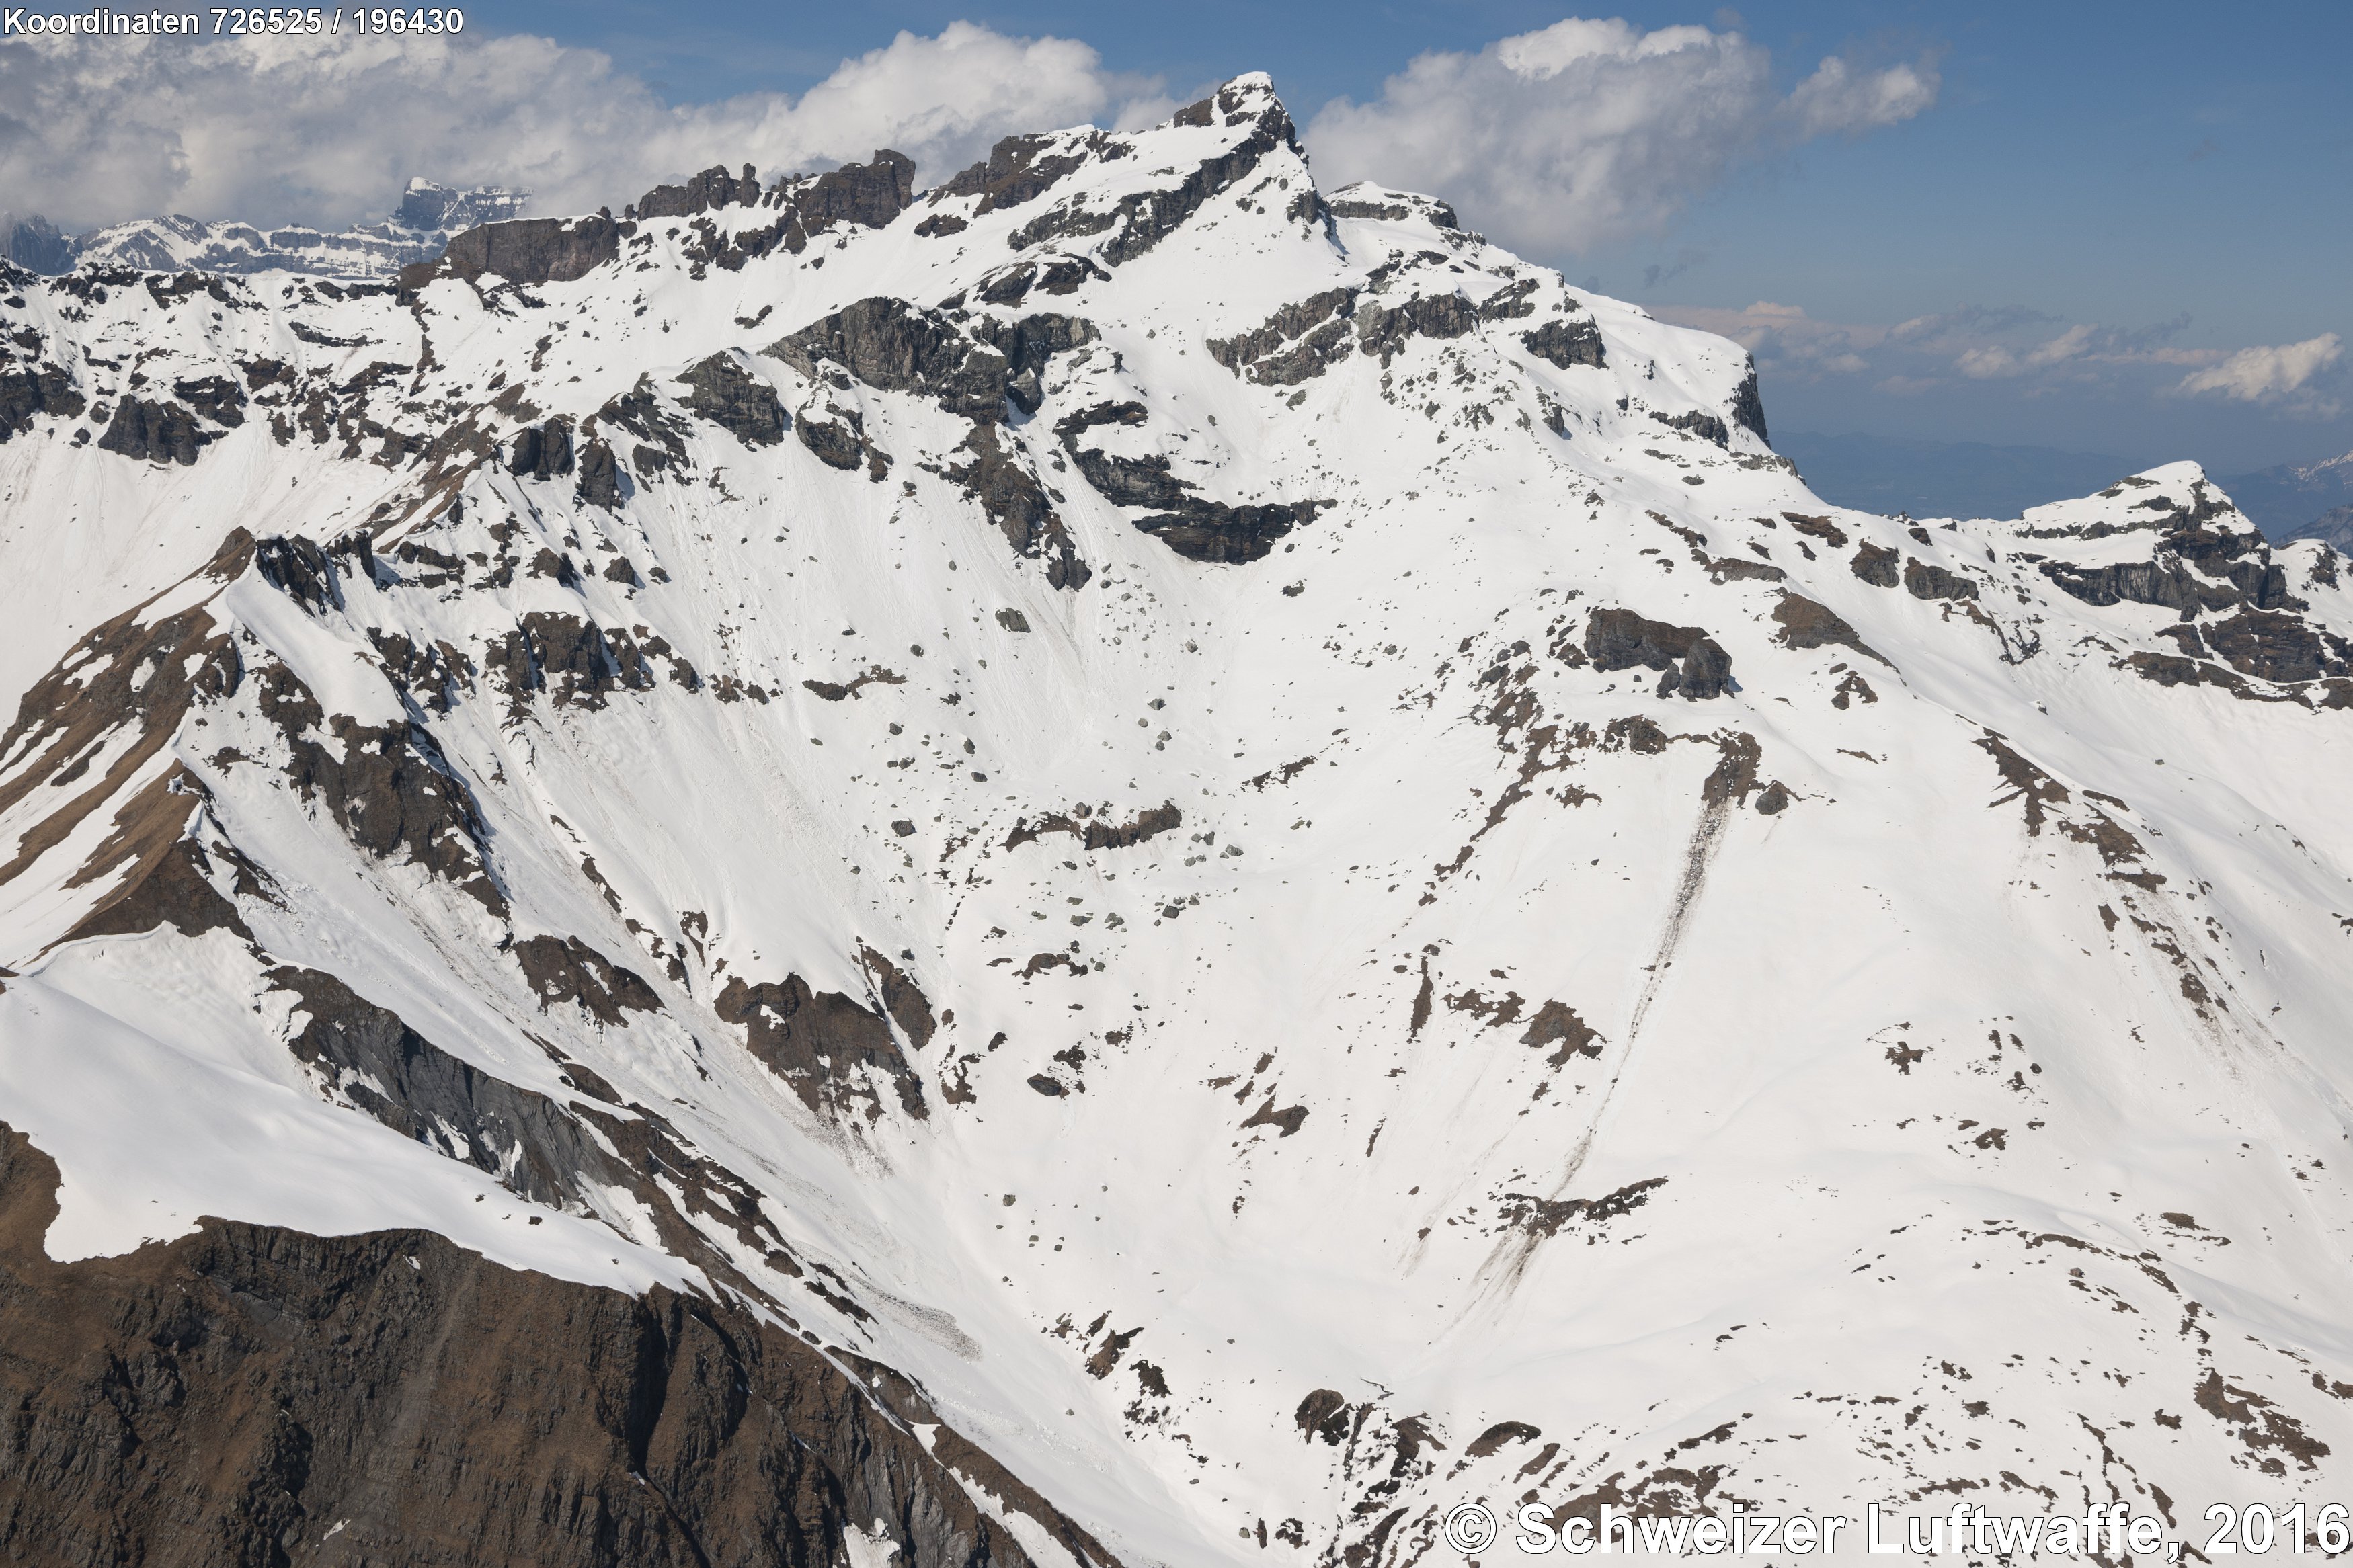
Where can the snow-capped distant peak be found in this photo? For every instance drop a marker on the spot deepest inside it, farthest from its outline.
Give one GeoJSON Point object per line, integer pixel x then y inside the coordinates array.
{"type": "Point", "coordinates": [1257, 857]}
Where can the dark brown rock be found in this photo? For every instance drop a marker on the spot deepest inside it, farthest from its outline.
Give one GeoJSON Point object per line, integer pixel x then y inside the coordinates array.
{"type": "Point", "coordinates": [1297, 343]}
{"type": "Point", "coordinates": [894, 346]}
{"type": "Point", "coordinates": [1439, 212]}
{"type": "Point", "coordinates": [1492, 1439]}
{"type": "Point", "coordinates": [576, 662]}
{"type": "Point", "coordinates": [1876, 565]}
{"type": "Point", "coordinates": [1567, 343]}
{"type": "Point", "coordinates": [169, 886]}
{"type": "Point", "coordinates": [2273, 646]}
{"type": "Point", "coordinates": [144, 676]}
{"type": "Point", "coordinates": [721, 391]}
{"type": "Point", "coordinates": [387, 786]}
{"type": "Point", "coordinates": [2140, 582]}
{"type": "Point", "coordinates": [38, 389]}
{"type": "Point", "coordinates": [1556, 1023]}
{"type": "Point", "coordinates": [1324, 1414]}
{"type": "Point", "coordinates": [1019, 169]}
{"type": "Point", "coordinates": [214, 397]}
{"type": "Point", "coordinates": [1807, 624]}
{"type": "Point", "coordinates": [1706, 426]}
{"type": "Point", "coordinates": [902, 997]}
{"type": "Point", "coordinates": [1383, 330]}
{"type": "Point", "coordinates": [1142, 219]}
{"type": "Point", "coordinates": [1542, 1217]}
{"type": "Point", "coordinates": [529, 250]}
{"type": "Point", "coordinates": [566, 969]}
{"type": "Point", "coordinates": [1287, 1121]}
{"type": "Point", "coordinates": [2174, 670]}
{"type": "Point", "coordinates": [1097, 832]}
{"type": "Point", "coordinates": [154, 432]}
{"type": "Point", "coordinates": [1694, 663]}
{"type": "Point", "coordinates": [542, 451]}
{"type": "Point", "coordinates": [1194, 528]}
{"type": "Point", "coordinates": [714, 187]}
{"type": "Point", "coordinates": [1013, 499]}
{"type": "Point", "coordinates": [254, 1395]}
{"type": "Point", "coordinates": [1229, 535]}
{"type": "Point", "coordinates": [836, 691]}
{"type": "Point", "coordinates": [1748, 404]}
{"type": "Point", "coordinates": [823, 1045]}
{"type": "Point", "coordinates": [600, 485]}
{"type": "Point", "coordinates": [1923, 581]}
{"type": "Point", "coordinates": [869, 195]}
{"type": "Point", "coordinates": [838, 442]}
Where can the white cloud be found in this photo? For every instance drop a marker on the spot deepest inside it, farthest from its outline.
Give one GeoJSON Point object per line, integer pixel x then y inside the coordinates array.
{"type": "Point", "coordinates": [280, 129]}
{"type": "Point", "coordinates": [2031, 354]}
{"type": "Point", "coordinates": [1586, 132]}
{"type": "Point", "coordinates": [1837, 98]}
{"type": "Point", "coordinates": [2268, 375]}
{"type": "Point", "coordinates": [1989, 361]}
{"type": "Point", "coordinates": [1783, 338]}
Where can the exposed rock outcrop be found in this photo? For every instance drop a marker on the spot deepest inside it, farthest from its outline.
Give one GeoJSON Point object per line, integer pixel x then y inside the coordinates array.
{"type": "Point", "coordinates": [1694, 663]}
{"type": "Point", "coordinates": [387, 1398]}
{"type": "Point", "coordinates": [527, 251]}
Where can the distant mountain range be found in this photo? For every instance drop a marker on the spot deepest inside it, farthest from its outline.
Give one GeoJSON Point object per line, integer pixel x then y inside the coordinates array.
{"type": "Point", "coordinates": [825, 742]}
{"type": "Point", "coordinates": [417, 230]}
{"type": "Point", "coordinates": [1971, 478]}
{"type": "Point", "coordinates": [2334, 527]}
{"type": "Point", "coordinates": [2300, 500]}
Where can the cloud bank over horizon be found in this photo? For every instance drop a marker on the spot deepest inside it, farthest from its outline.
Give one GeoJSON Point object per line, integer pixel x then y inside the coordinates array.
{"type": "Point", "coordinates": [2037, 352]}
{"type": "Point", "coordinates": [280, 130]}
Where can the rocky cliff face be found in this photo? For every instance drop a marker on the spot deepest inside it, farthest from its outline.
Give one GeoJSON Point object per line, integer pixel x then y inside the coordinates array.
{"type": "Point", "coordinates": [249, 1394]}
{"type": "Point", "coordinates": [1121, 861]}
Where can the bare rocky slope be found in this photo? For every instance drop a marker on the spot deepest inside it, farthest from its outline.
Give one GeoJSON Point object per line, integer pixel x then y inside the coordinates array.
{"type": "Point", "coordinates": [1120, 862]}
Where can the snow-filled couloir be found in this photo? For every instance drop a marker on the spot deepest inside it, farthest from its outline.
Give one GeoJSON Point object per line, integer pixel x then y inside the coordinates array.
{"type": "Point", "coordinates": [1257, 867]}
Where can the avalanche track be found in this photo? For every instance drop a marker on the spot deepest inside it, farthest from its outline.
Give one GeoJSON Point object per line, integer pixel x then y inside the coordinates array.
{"type": "Point", "coordinates": [1118, 863]}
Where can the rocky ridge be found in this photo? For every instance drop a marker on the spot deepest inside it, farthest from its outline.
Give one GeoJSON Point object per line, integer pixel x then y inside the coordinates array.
{"type": "Point", "coordinates": [1192, 866]}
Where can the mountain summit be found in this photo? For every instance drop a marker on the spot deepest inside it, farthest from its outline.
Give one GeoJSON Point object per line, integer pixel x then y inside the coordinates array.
{"type": "Point", "coordinates": [1119, 863]}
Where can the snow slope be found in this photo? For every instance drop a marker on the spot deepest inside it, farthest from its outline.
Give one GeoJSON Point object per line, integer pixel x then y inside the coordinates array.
{"type": "Point", "coordinates": [1272, 852]}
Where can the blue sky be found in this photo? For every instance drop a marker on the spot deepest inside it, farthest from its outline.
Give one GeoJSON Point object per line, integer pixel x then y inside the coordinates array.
{"type": "Point", "coordinates": [2105, 227]}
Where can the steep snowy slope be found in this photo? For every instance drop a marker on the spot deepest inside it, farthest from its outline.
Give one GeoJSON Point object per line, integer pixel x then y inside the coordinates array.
{"type": "Point", "coordinates": [1273, 855]}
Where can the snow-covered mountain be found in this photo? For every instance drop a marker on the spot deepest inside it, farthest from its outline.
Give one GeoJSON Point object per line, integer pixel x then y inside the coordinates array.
{"type": "Point", "coordinates": [1122, 862]}
{"type": "Point", "coordinates": [419, 230]}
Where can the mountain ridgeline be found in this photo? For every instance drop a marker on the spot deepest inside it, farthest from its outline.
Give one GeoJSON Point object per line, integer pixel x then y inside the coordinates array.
{"type": "Point", "coordinates": [1117, 862]}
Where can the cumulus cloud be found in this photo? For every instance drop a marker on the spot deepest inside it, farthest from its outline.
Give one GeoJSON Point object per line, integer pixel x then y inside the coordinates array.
{"type": "Point", "coordinates": [1587, 131]}
{"type": "Point", "coordinates": [1840, 99]}
{"type": "Point", "coordinates": [2085, 345]}
{"type": "Point", "coordinates": [281, 130]}
{"type": "Point", "coordinates": [2268, 375]}
{"type": "Point", "coordinates": [1992, 359]}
